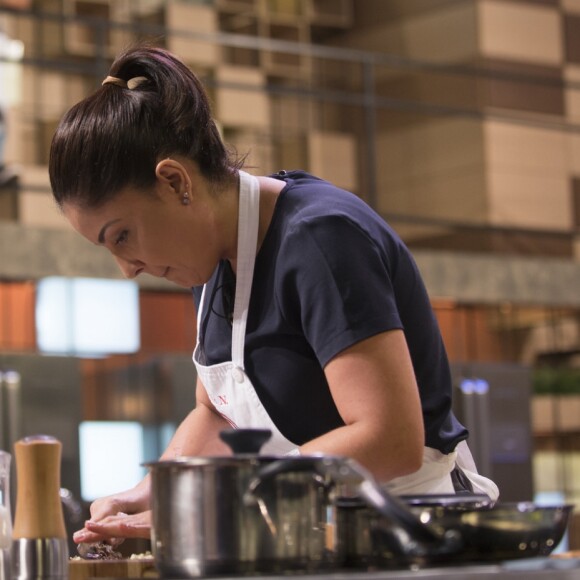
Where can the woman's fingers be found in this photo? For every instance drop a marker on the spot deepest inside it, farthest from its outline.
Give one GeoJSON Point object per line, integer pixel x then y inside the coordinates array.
{"type": "Point", "coordinates": [120, 525]}
{"type": "Point", "coordinates": [107, 506]}
{"type": "Point", "coordinates": [85, 537]}
{"type": "Point", "coordinates": [114, 528]}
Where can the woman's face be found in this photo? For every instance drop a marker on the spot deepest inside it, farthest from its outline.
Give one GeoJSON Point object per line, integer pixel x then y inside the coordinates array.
{"type": "Point", "coordinates": [155, 233]}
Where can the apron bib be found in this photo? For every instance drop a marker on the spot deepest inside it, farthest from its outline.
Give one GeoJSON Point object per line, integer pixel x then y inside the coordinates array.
{"type": "Point", "coordinates": [231, 391]}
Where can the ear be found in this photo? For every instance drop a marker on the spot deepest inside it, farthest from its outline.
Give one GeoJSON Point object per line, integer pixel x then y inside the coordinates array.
{"type": "Point", "coordinates": [173, 177]}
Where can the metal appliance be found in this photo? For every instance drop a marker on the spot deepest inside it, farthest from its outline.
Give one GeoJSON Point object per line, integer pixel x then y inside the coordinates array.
{"type": "Point", "coordinates": [493, 401]}
{"type": "Point", "coordinates": [10, 419]}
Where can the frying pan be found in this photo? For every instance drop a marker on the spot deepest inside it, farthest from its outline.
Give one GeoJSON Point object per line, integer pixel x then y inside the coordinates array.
{"type": "Point", "coordinates": [505, 531]}
{"type": "Point", "coordinates": [483, 532]}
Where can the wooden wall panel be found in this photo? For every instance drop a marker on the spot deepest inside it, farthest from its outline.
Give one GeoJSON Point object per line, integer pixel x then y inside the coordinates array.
{"type": "Point", "coordinates": [572, 40]}
{"type": "Point", "coordinates": [247, 106]}
{"type": "Point", "coordinates": [333, 156]}
{"type": "Point", "coordinates": [167, 322]}
{"type": "Point", "coordinates": [471, 333]}
{"type": "Point", "coordinates": [441, 31]}
{"type": "Point", "coordinates": [526, 87]}
{"type": "Point", "coordinates": [520, 31]}
{"type": "Point", "coordinates": [572, 92]}
{"type": "Point", "coordinates": [17, 328]}
{"type": "Point", "coordinates": [434, 169]}
{"type": "Point", "coordinates": [167, 319]}
{"type": "Point", "coordinates": [185, 19]}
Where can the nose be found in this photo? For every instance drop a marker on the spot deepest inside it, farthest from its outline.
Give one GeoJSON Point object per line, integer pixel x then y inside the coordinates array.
{"type": "Point", "coordinates": [130, 268]}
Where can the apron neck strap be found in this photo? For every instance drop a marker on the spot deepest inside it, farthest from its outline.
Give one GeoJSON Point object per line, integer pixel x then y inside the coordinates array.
{"type": "Point", "coordinates": [248, 222]}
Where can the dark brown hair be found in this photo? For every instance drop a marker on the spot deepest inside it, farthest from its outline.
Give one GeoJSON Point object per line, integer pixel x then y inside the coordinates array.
{"type": "Point", "coordinates": [115, 137]}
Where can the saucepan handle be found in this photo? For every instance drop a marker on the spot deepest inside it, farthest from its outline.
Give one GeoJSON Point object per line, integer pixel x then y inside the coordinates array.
{"type": "Point", "coordinates": [264, 486]}
{"type": "Point", "coordinates": [339, 471]}
{"type": "Point", "coordinates": [351, 474]}
{"type": "Point", "coordinates": [285, 465]}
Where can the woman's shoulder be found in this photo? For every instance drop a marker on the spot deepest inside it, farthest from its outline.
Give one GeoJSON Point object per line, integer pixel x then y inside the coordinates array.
{"type": "Point", "coordinates": [309, 203]}
{"type": "Point", "coordinates": [308, 196]}
{"type": "Point", "coordinates": [297, 179]}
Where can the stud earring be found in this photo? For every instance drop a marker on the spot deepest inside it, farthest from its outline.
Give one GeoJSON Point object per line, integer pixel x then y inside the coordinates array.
{"type": "Point", "coordinates": [185, 198]}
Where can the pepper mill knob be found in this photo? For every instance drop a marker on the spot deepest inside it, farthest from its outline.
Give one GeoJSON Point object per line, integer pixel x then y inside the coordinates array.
{"type": "Point", "coordinates": [40, 547]}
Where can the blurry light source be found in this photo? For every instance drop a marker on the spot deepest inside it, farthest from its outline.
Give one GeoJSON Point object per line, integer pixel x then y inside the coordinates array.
{"type": "Point", "coordinates": [87, 316]}
{"type": "Point", "coordinates": [11, 53]}
{"type": "Point", "coordinates": [111, 453]}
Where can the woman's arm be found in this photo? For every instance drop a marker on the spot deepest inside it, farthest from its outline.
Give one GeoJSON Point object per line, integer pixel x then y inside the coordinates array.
{"type": "Point", "coordinates": [374, 388]}
{"type": "Point", "coordinates": [126, 514]}
{"type": "Point", "coordinates": [198, 434]}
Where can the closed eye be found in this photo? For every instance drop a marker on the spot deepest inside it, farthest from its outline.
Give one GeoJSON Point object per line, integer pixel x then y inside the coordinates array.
{"type": "Point", "coordinates": [122, 237]}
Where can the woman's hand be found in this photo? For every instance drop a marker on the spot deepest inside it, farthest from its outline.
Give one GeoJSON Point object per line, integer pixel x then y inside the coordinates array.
{"type": "Point", "coordinates": [126, 514]}
{"type": "Point", "coordinates": [113, 529]}
{"type": "Point", "coordinates": [123, 515]}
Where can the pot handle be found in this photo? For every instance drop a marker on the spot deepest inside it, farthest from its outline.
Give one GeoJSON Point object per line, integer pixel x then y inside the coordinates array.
{"type": "Point", "coordinates": [286, 465]}
{"type": "Point", "coordinates": [347, 472]}
{"type": "Point", "coordinates": [245, 440]}
{"type": "Point", "coordinates": [351, 473]}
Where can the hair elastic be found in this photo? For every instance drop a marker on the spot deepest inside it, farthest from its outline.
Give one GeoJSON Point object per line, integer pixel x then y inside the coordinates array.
{"type": "Point", "coordinates": [130, 84]}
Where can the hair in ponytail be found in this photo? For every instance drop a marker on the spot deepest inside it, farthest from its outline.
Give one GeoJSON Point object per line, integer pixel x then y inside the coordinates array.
{"type": "Point", "coordinates": [150, 106]}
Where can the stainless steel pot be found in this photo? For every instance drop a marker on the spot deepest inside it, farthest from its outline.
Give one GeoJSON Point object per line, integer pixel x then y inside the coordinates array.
{"type": "Point", "coordinates": [253, 514]}
{"type": "Point", "coordinates": [214, 516]}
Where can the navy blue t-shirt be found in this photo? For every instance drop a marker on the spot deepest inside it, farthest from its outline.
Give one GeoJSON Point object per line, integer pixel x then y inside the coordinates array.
{"type": "Point", "coordinates": [329, 274]}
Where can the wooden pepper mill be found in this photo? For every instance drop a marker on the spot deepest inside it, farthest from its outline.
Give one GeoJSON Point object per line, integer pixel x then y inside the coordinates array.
{"type": "Point", "coordinates": [40, 548]}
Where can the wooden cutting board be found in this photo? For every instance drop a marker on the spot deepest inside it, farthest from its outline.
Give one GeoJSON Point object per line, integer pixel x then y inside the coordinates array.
{"type": "Point", "coordinates": [132, 568]}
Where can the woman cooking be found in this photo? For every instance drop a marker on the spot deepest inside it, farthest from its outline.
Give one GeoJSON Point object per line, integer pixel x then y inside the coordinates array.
{"type": "Point", "coordinates": [312, 318]}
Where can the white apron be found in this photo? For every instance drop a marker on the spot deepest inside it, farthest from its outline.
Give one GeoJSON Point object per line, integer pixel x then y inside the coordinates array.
{"type": "Point", "coordinates": [434, 476]}
{"type": "Point", "coordinates": [234, 397]}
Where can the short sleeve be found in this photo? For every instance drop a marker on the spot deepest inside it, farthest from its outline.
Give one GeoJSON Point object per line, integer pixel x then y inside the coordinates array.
{"type": "Point", "coordinates": [337, 284]}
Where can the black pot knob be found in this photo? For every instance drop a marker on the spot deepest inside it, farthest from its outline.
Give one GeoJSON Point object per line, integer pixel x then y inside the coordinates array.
{"type": "Point", "coordinates": [245, 440]}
